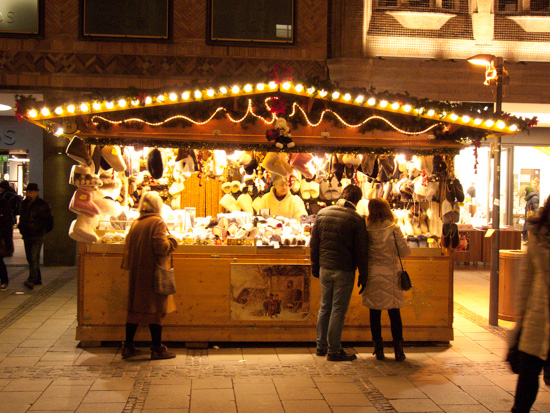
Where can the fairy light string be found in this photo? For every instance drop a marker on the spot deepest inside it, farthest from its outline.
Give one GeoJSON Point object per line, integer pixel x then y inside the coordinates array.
{"type": "Point", "coordinates": [250, 111]}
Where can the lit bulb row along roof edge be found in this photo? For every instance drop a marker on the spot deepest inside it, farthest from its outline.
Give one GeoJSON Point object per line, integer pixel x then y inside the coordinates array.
{"type": "Point", "coordinates": [361, 100]}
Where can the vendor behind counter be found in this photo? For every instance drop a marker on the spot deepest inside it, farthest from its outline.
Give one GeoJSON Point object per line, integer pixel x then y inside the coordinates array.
{"type": "Point", "coordinates": [280, 201]}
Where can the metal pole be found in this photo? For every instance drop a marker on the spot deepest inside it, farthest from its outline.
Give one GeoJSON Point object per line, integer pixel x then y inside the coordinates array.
{"type": "Point", "coordinates": [494, 277]}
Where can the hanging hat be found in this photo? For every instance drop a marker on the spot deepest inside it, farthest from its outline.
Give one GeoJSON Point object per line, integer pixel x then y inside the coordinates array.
{"type": "Point", "coordinates": [154, 163]}
{"type": "Point", "coordinates": [369, 165]}
{"type": "Point", "coordinates": [76, 149]}
{"type": "Point", "coordinates": [113, 156]}
{"type": "Point", "coordinates": [299, 162]}
{"type": "Point", "coordinates": [351, 159]}
{"type": "Point", "coordinates": [276, 163]}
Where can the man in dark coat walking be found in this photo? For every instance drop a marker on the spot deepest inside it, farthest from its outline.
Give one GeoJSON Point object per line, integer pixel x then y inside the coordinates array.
{"type": "Point", "coordinates": [35, 221]}
{"type": "Point", "coordinates": [338, 247]}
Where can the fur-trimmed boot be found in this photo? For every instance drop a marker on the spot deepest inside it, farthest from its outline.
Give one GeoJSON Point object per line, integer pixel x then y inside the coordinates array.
{"type": "Point", "coordinates": [378, 349]}
{"type": "Point", "coordinates": [398, 347]}
{"type": "Point", "coordinates": [129, 350]}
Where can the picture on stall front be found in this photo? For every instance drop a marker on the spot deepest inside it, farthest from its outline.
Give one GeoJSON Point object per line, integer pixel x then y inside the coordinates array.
{"type": "Point", "coordinates": [269, 292]}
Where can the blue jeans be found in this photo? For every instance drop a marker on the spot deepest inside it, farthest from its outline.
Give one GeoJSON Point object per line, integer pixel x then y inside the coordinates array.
{"type": "Point", "coordinates": [336, 289]}
{"type": "Point", "coordinates": [32, 252]}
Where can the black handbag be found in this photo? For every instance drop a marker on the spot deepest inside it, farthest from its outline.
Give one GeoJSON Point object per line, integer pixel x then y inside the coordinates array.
{"type": "Point", "coordinates": [404, 279]}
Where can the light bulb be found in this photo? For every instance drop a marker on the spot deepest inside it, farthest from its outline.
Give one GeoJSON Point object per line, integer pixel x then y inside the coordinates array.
{"type": "Point", "coordinates": [286, 85]}
{"type": "Point", "coordinates": [33, 113]}
{"type": "Point", "coordinates": [335, 95]}
{"type": "Point", "coordinates": [108, 105]}
{"type": "Point", "coordinates": [96, 106]}
{"type": "Point", "coordinates": [235, 89]}
{"type": "Point", "coordinates": [173, 97]}
{"type": "Point", "coordinates": [431, 112]}
{"type": "Point", "coordinates": [248, 88]}
{"type": "Point", "coordinates": [407, 108]}
{"type": "Point", "coordinates": [260, 86]}
{"type": "Point", "coordinates": [45, 111]}
{"type": "Point", "coordinates": [58, 110]}
{"type": "Point", "coordinates": [160, 98]}
{"type": "Point", "coordinates": [489, 123]}
{"type": "Point", "coordinates": [272, 85]}
{"type": "Point", "coordinates": [514, 128]}
{"type": "Point", "coordinates": [148, 100]}
{"type": "Point", "coordinates": [371, 101]}
{"type": "Point", "coordinates": [122, 103]}
{"type": "Point", "coordinates": [465, 119]}
{"type": "Point", "coordinates": [299, 88]}
{"type": "Point", "coordinates": [185, 95]}
{"type": "Point", "coordinates": [360, 99]}
{"type": "Point", "coordinates": [223, 90]}
{"type": "Point", "coordinates": [500, 124]}
{"type": "Point", "coordinates": [84, 107]}
{"type": "Point", "coordinates": [210, 93]}
{"type": "Point", "coordinates": [383, 103]}
{"type": "Point", "coordinates": [347, 97]}
{"type": "Point", "coordinates": [198, 94]}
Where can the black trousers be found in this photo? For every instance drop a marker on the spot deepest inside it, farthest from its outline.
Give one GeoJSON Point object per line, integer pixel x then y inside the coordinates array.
{"type": "Point", "coordinates": [395, 320]}
{"type": "Point", "coordinates": [528, 382]}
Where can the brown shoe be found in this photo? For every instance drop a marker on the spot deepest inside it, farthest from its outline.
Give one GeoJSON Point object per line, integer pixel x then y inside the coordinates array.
{"type": "Point", "coordinates": [129, 350]}
{"type": "Point", "coordinates": [161, 353]}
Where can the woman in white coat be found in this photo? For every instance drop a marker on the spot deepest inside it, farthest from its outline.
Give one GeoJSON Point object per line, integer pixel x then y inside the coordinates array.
{"type": "Point", "coordinates": [383, 291]}
{"type": "Point", "coordinates": [532, 301]}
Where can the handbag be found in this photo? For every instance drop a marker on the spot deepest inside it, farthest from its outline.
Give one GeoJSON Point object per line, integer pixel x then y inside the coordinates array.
{"type": "Point", "coordinates": [6, 247]}
{"type": "Point", "coordinates": [404, 279]}
{"type": "Point", "coordinates": [164, 280]}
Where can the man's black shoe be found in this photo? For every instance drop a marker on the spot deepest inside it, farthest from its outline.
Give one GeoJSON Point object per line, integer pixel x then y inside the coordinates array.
{"type": "Point", "coordinates": [341, 356]}
{"type": "Point", "coordinates": [29, 285]}
{"type": "Point", "coordinates": [321, 353]}
{"type": "Point", "coordinates": [38, 283]}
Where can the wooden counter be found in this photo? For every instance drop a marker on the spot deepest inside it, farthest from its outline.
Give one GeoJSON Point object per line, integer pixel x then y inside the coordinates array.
{"type": "Point", "coordinates": [223, 295]}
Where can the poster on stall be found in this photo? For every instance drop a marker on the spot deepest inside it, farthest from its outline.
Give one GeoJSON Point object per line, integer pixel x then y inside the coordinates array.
{"type": "Point", "coordinates": [270, 292]}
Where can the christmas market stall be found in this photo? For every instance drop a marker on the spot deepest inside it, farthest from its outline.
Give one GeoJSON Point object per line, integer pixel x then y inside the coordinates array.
{"type": "Point", "coordinates": [213, 151]}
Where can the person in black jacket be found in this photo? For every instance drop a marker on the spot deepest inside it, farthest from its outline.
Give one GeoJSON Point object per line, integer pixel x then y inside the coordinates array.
{"type": "Point", "coordinates": [35, 221]}
{"type": "Point", "coordinates": [338, 247]}
{"type": "Point", "coordinates": [9, 194]}
{"type": "Point", "coordinates": [6, 238]}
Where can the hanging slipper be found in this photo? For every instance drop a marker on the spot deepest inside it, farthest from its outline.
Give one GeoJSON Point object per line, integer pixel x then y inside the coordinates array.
{"type": "Point", "coordinates": [459, 191]}
{"type": "Point", "coordinates": [446, 236]}
{"type": "Point", "coordinates": [453, 234]}
{"type": "Point", "coordinates": [154, 163]}
{"type": "Point", "coordinates": [369, 165]}
{"type": "Point", "coordinates": [76, 149]}
{"type": "Point", "coordinates": [412, 241]}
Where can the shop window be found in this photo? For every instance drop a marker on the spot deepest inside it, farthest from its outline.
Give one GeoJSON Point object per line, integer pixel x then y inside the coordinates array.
{"type": "Point", "coordinates": [524, 7]}
{"type": "Point", "coordinates": [435, 5]}
{"type": "Point", "coordinates": [257, 23]}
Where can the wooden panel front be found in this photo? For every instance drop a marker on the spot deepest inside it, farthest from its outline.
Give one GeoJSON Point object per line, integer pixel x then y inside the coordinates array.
{"type": "Point", "coordinates": [204, 297]}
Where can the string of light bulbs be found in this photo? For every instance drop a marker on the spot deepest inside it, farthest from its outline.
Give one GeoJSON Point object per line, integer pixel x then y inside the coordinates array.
{"type": "Point", "coordinates": [250, 111]}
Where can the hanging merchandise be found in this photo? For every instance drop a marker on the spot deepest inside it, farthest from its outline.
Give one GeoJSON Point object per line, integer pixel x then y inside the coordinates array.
{"type": "Point", "coordinates": [154, 163]}
{"type": "Point", "coordinates": [113, 157]}
{"type": "Point", "coordinates": [76, 149]}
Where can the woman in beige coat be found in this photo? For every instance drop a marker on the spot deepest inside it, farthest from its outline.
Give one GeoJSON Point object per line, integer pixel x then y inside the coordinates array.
{"type": "Point", "coordinates": [533, 306]}
{"type": "Point", "coordinates": [148, 243]}
{"type": "Point", "coordinates": [383, 289]}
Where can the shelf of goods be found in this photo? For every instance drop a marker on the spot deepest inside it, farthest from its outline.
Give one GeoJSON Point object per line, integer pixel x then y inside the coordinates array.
{"type": "Point", "coordinates": [223, 295]}
{"type": "Point", "coordinates": [475, 247]}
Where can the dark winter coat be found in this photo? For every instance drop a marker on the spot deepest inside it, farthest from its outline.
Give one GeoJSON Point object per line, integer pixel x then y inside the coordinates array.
{"type": "Point", "coordinates": [339, 240]}
{"type": "Point", "coordinates": [6, 224]}
{"type": "Point", "coordinates": [147, 244]}
{"type": "Point", "coordinates": [35, 219]}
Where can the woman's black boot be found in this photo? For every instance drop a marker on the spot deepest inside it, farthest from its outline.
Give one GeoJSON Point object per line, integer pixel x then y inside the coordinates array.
{"type": "Point", "coordinates": [398, 347]}
{"type": "Point", "coordinates": [378, 349]}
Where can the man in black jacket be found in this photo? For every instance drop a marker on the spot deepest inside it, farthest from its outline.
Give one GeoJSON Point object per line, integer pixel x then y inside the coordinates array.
{"type": "Point", "coordinates": [338, 247]}
{"type": "Point", "coordinates": [35, 221]}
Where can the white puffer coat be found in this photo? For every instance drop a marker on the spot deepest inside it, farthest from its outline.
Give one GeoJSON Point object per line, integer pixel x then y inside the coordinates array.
{"type": "Point", "coordinates": [383, 290]}
{"type": "Point", "coordinates": [532, 295]}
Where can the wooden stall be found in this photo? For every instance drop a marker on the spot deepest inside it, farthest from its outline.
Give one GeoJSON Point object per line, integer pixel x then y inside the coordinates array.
{"type": "Point", "coordinates": [248, 292]}
{"type": "Point", "coordinates": [209, 308]}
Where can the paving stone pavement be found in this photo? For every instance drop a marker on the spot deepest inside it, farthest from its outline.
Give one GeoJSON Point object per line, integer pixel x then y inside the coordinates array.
{"type": "Point", "coordinates": [42, 367]}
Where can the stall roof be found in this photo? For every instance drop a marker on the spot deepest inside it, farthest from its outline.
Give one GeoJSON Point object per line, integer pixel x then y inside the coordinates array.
{"type": "Point", "coordinates": [238, 114]}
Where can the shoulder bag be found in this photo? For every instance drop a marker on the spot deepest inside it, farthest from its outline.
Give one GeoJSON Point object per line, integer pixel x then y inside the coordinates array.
{"type": "Point", "coordinates": [164, 280]}
{"type": "Point", "coordinates": [404, 279]}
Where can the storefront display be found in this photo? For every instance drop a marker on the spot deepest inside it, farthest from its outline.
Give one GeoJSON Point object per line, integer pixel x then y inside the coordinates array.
{"type": "Point", "coordinates": [241, 198]}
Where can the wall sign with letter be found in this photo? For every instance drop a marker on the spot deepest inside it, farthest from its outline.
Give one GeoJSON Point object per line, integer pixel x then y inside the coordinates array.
{"type": "Point", "coordinates": [21, 18]}
{"type": "Point", "coordinates": [124, 20]}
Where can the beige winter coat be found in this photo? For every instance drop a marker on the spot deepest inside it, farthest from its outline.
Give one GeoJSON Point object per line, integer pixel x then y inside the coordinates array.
{"type": "Point", "coordinates": [383, 290]}
{"type": "Point", "coordinates": [147, 243]}
{"type": "Point", "coordinates": [532, 297]}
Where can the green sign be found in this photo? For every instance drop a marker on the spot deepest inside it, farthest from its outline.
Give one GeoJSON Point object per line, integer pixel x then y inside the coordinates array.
{"type": "Point", "coordinates": [4, 158]}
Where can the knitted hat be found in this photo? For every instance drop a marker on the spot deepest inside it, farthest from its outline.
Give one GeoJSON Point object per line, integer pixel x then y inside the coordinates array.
{"type": "Point", "coordinates": [154, 163]}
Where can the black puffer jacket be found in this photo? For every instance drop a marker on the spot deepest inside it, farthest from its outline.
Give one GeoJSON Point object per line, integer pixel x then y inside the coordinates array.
{"type": "Point", "coordinates": [339, 240]}
{"type": "Point", "coordinates": [36, 218]}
